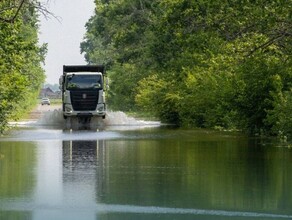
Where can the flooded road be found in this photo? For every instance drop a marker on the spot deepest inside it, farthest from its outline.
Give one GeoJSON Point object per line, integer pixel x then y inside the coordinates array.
{"type": "Point", "coordinates": [141, 170]}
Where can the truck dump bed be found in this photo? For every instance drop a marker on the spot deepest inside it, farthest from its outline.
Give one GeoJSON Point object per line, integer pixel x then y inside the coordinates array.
{"type": "Point", "coordinates": [83, 68]}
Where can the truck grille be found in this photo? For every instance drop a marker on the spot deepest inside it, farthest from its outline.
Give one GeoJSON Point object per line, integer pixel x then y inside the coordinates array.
{"type": "Point", "coordinates": [84, 100]}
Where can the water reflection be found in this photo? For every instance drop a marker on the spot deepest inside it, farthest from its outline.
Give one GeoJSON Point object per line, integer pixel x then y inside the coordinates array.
{"type": "Point", "coordinates": [233, 175]}
{"type": "Point", "coordinates": [17, 176]}
{"type": "Point", "coordinates": [158, 174]}
{"type": "Point", "coordinates": [83, 169]}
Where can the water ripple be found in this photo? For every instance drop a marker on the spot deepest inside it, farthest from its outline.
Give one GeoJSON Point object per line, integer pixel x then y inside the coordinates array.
{"type": "Point", "coordinates": [132, 209]}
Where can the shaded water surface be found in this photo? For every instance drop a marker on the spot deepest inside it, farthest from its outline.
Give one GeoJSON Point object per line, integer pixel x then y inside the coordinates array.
{"type": "Point", "coordinates": [142, 173]}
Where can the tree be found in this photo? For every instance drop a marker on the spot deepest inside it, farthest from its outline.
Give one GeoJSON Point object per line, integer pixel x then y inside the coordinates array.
{"type": "Point", "coordinates": [197, 63]}
{"type": "Point", "coordinates": [21, 74]}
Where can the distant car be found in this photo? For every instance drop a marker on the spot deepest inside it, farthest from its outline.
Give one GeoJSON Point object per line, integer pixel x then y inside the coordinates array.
{"type": "Point", "coordinates": [45, 101]}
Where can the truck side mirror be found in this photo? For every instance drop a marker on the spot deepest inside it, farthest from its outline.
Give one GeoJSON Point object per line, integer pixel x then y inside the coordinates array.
{"type": "Point", "coordinates": [61, 82]}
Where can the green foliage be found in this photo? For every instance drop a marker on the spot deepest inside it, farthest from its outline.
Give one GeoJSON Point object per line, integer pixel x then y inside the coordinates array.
{"type": "Point", "coordinates": [21, 74]}
{"type": "Point", "coordinates": [121, 95]}
{"type": "Point", "coordinates": [279, 117]}
{"type": "Point", "coordinates": [197, 63]}
{"type": "Point", "coordinates": [154, 95]}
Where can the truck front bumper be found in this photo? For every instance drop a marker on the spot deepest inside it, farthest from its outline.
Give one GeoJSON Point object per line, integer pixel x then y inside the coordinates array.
{"type": "Point", "coordinates": [99, 111]}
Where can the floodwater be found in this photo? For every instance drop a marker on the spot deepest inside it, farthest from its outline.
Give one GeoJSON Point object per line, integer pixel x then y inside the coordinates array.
{"type": "Point", "coordinates": [141, 170]}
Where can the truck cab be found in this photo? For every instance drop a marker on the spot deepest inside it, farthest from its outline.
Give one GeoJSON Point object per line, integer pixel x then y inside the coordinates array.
{"type": "Point", "coordinates": [83, 91]}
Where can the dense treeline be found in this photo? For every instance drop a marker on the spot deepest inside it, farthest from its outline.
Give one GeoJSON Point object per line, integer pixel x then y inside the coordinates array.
{"type": "Point", "coordinates": [214, 64]}
{"type": "Point", "coordinates": [21, 74]}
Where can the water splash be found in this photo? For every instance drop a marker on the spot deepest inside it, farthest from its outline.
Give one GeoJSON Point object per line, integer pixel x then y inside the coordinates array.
{"type": "Point", "coordinates": [55, 118]}
{"type": "Point", "coordinates": [119, 118]}
{"type": "Point", "coordinates": [51, 118]}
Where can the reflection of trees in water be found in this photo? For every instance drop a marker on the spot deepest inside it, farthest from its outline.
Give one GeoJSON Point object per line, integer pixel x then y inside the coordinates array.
{"type": "Point", "coordinates": [17, 176]}
{"type": "Point", "coordinates": [17, 165]}
{"type": "Point", "coordinates": [232, 174]}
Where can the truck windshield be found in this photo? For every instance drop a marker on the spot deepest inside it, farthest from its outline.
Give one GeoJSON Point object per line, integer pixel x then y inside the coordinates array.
{"type": "Point", "coordinates": [83, 81]}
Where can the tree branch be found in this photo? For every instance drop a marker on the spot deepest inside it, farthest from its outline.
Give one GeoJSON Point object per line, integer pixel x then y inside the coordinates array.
{"type": "Point", "coordinates": [12, 19]}
{"type": "Point", "coordinates": [18, 10]}
{"type": "Point", "coordinates": [36, 4]}
{"type": "Point", "coordinates": [268, 43]}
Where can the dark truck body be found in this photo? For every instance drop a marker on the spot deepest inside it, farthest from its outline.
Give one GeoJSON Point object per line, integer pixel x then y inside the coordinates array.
{"type": "Point", "coordinates": [82, 89]}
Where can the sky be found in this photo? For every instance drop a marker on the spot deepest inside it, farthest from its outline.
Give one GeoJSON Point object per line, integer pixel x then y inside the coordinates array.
{"type": "Point", "coordinates": [64, 36]}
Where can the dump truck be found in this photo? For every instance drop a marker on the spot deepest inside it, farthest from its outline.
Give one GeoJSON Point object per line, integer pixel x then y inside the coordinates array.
{"type": "Point", "coordinates": [83, 92]}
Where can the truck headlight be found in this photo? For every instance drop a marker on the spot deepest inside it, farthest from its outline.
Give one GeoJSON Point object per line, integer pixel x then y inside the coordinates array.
{"type": "Point", "coordinates": [68, 108]}
{"type": "Point", "coordinates": [100, 109]}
